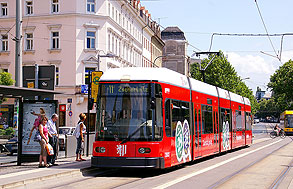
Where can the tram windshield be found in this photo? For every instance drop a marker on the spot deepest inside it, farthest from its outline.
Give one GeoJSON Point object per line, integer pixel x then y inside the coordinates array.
{"type": "Point", "coordinates": [125, 113]}
{"type": "Point", "coordinates": [289, 121]}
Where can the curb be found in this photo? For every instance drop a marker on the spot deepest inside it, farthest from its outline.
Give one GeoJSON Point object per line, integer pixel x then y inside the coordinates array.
{"type": "Point", "coordinates": [68, 172]}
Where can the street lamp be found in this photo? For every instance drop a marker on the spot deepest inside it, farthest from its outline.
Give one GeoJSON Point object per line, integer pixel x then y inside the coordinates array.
{"type": "Point", "coordinates": [161, 57]}
{"type": "Point", "coordinates": [108, 55]}
{"type": "Point", "coordinates": [202, 70]}
{"type": "Point", "coordinates": [244, 78]}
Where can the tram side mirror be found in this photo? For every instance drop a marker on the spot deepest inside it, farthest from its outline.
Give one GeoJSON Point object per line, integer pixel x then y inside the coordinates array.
{"type": "Point", "coordinates": [153, 104]}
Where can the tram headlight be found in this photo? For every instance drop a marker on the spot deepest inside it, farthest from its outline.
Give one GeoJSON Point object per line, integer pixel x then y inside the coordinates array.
{"type": "Point", "coordinates": [144, 150]}
{"type": "Point", "coordinates": [100, 149]}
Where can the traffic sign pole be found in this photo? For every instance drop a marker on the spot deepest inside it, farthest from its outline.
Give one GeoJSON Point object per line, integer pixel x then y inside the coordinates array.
{"type": "Point", "coordinates": [88, 113]}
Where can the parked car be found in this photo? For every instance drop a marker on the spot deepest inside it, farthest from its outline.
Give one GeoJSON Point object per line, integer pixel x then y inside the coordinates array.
{"type": "Point", "coordinates": [63, 131]}
{"type": "Point", "coordinates": [256, 120]}
{"type": "Point", "coordinates": [11, 145]}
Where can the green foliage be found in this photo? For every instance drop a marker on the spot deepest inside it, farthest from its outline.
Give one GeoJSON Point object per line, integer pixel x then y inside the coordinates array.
{"type": "Point", "coordinates": [281, 83]}
{"type": "Point", "coordinates": [268, 108]}
{"type": "Point", "coordinates": [6, 79]}
{"type": "Point", "coordinates": [222, 74]}
{"type": "Point", "coordinates": [9, 131]}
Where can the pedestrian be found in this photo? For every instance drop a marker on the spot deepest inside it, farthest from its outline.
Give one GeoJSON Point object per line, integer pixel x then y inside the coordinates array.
{"type": "Point", "coordinates": [53, 140]}
{"type": "Point", "coordinates": [79, 134]}
{"type": "Point", "coordinates": [43, 142]}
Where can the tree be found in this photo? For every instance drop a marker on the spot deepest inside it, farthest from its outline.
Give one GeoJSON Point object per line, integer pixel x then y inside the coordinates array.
{"type": "Point", "coordinates": [268, 108]}
{"type": "Point", "coordinates": [222, 74]}
{"type": "Point", "coordinates": [281, 83]}
{"type": "Point", "coordinates": [5, 79]}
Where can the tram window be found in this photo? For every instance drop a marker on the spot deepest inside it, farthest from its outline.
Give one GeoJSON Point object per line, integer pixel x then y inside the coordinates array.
{"type": "Point", "coordinates": [158, 91]}
{"type": "Point", "coordinates": [238, 120]}
{"type": "Point", "coordinates": [248, 121]}
{"type": "Point", "coordinates": [207, 119]}
{"type": "Point", "coordinates": [180, 112]}
{"type": "Point", "coordinates": [159, 119]}
{"type": "Point", "coordinates": [195, 121]}
{"type": "Point", "coordinates": [225, 118]}
{"type": "Point", "coordinates": [167, 118]}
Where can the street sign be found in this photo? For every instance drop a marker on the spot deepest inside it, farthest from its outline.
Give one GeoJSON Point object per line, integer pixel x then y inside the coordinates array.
{"type": "Point", "coordinates": [84, 89]}
{"type": "Point", "coordinates": [70, 113]}
{"type": "Point", "coordinates": [30, 85]}
{"type": "Point", "coordinates": [95, 84]}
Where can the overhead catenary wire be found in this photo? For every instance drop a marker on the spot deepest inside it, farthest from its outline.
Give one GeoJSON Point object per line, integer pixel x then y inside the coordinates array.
{"type": "Point", "coordinates": [282, 35]}
{"type": "Point", "coordinates": [266, 30]}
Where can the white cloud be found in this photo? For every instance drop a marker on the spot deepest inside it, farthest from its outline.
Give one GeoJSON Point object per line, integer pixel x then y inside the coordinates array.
{"type": "Point", "coordinates": [257, 68]}
{"type": "Point", "coordinates": [250, 64]}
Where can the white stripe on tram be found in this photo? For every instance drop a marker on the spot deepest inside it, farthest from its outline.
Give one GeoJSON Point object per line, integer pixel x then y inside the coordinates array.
{"type": "Point", "coordinates": [211, 167]}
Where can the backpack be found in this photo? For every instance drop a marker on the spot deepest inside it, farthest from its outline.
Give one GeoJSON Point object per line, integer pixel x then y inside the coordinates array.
{"type": "Point", "coordinates": [76, 131]}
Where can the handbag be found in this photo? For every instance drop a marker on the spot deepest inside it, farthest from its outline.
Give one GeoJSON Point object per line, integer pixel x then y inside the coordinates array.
{"type": "Point", "coordinates": [49, 149]}
{"type": "Point", "coordinates": [37, 137]}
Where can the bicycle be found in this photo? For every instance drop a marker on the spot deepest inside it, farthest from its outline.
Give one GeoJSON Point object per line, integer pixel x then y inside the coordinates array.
{"type": "Point", "coordinates": [274, 134]}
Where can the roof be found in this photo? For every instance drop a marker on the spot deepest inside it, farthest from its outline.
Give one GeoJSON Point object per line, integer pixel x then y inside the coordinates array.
{"type": "Point", "coordinates": [172, 33]}
{"type": "Point", "coordinates": [167, 76]}
{"type": "Point", "coordinates": [16, 92]}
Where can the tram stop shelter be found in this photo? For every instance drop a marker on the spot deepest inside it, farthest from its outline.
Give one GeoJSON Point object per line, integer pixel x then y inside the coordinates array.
{"type": "Point", "coordinates": [26, 97]}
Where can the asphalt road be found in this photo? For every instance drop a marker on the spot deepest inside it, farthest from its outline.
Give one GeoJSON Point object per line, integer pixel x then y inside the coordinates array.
{"type": "Point", "coordinates": [264, 164]}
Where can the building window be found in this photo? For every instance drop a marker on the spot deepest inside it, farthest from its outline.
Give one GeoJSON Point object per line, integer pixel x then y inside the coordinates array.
{"type": "Point", "coordinates": [29, 41]}
{"type": "Point", "coordinates": [113, 44]}
{"type": "Point", "coordinates": [109, 42]}
{"type": "Point", "coordinates": [29, 7]}
{"type": "Point", "coordinates": [57, 76]}
{"type": "Point", "coordinates": [90, 5]}
{"type": "Point", "coordinates": [4, 9]}
{"type": "Point", "coordinates": [109, 9]}
{"type": "Point", "coordinates": [90, 40]}
{"type": "Point", "coordinates": [113, 12]}
{"type": "Point", "coordinates": [55, 6]}
{"type": "Point", "coordinates": [55, 40]}
{"type": "Point", "coordinates": [4, 43]}
{"type": "Point", "coordinates": [88, 71]}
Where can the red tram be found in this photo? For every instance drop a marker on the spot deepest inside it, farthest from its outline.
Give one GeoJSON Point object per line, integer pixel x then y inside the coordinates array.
{"type": "Point", "coordinates": [158, 118]}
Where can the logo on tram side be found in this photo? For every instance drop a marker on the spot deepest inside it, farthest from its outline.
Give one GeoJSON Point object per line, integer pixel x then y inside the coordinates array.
{"type": "Point", "coordinates": [179, 141]}
{"type": "Point", "coordinates": [182, 141]}
{"type": "Point", "coordinates": [121, 150]}
{"type": "Point", "coordinates": [226, 145]}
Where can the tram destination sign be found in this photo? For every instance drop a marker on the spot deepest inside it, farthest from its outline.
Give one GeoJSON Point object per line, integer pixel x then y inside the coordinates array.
{"type": "Point", "coordinates": [125, 89]}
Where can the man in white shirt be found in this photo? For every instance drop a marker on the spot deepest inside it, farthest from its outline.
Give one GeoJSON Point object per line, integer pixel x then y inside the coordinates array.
{"type": "Point", "coordinates": [54, 139]}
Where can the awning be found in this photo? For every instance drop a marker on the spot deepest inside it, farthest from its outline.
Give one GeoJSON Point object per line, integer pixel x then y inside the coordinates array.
{"type": "Point", "coordinates": [17, 92]}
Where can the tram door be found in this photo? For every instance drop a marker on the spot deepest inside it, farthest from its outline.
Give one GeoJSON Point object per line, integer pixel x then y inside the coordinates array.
{"type": "Point", "coordinates": [197, 132]}
{"type": "Point", "coordinates": [216, 130]}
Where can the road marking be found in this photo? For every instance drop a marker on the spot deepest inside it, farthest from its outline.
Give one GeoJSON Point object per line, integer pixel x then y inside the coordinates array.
{"type": "Point", "coordinates": [211, 167]}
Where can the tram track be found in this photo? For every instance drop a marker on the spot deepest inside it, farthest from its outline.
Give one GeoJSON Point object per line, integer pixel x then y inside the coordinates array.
{"type": "Point", "coordinates": [283, 174]}
{"type": "Point", "coordinates": [276, 182]}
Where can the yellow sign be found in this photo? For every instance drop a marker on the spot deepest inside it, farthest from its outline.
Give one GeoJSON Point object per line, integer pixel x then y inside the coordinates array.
{"type": "Point", "coordinates": [30, 85]}
{"type": "Point", "coordinates": [95, 84]}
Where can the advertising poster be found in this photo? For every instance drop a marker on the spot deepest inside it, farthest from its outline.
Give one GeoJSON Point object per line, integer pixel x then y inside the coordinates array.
{"type": "Point", "coordinates": [31, 112]}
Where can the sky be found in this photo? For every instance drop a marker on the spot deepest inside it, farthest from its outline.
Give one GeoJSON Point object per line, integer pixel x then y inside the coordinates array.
{"type": "Point", "coordinates": [199, 19]}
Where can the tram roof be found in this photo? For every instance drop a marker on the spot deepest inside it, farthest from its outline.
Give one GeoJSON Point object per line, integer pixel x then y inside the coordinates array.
{"type": "Point", "coordinates": [165, 75]}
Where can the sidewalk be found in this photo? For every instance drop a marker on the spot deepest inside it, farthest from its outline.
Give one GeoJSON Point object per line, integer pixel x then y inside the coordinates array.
{"type": "Point", "coordinates": [12, 175]}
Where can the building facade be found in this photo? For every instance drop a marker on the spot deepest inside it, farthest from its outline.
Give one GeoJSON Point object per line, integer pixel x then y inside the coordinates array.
{"type": "Point", "coordinates": [175, 50]}
{"type": "Point", "coordinates": [70, 35]}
